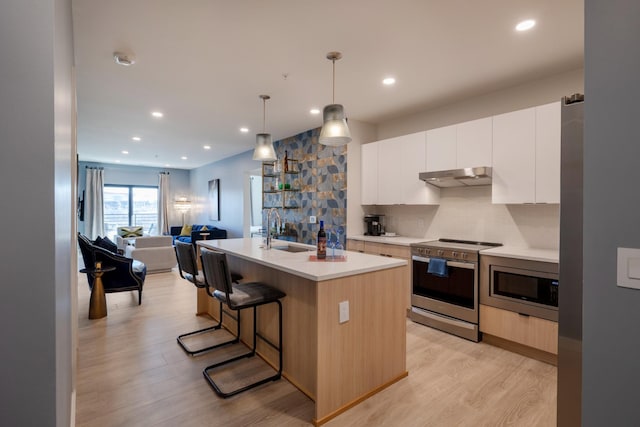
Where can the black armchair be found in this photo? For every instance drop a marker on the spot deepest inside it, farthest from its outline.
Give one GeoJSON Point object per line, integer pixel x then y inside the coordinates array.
{"type": "Point", "coordinates": [129, 274]}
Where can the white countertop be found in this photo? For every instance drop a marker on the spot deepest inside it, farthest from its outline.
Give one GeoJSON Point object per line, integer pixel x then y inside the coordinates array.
{"type": "Point", "coordinates": [532, 254]}
{"type": "Point", "coordinates": [298, 263]}
{"type": "Point", "coordinates": [391, 240]}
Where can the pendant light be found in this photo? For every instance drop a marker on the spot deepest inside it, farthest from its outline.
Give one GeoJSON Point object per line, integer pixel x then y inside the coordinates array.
{"type": "Point", "coordinates": [334, 130]}
{"type": "Point", "coordinates": [264, 150]}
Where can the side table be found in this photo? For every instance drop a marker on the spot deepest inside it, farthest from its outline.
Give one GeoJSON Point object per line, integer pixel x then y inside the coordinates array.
{"type": "Point", "coordinates": [98, 300]}
{"type": "Point", "coordinates": [205, 236]}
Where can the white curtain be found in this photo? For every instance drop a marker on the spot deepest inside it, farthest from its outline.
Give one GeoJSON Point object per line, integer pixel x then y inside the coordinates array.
{"type": "Point", "coordinates": [94, 213]}
{"type": "Point", "coordinates": [163, 203]}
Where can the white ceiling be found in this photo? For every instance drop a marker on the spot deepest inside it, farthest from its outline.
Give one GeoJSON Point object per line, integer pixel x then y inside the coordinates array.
{"type": "Point", "coordinates": [203, 63]}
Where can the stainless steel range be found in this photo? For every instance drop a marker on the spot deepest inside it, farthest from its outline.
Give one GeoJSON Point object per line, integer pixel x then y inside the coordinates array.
{"type": "Point", "coordinates": [445, 276]}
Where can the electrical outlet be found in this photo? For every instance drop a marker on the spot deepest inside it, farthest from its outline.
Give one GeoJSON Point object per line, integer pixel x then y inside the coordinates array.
{"type": "Point", "coordinates": [344, 311]}
{"type": "Point", "coordinates": [312, 219]}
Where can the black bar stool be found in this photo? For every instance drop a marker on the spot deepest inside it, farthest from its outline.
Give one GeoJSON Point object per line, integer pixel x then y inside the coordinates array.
{"type": "Point", "coordinates": [188, 268]}
{"type": "Point", "coordinates": [238, 297]}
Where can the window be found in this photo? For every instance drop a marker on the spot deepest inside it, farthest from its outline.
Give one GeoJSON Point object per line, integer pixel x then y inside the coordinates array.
{"type": "Point", "coordinates": [128, 205]}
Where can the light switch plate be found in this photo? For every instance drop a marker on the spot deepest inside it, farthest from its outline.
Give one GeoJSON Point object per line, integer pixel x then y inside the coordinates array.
{"type": "Point", "coordinates": [312, 219]}
{"type": "Point", "coordinates": [344, 311]}
{"type": "Point", "coordinates": [628, 268]}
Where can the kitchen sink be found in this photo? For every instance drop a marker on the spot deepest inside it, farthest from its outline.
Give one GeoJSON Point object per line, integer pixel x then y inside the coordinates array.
{"type": "Point", "coordinates": [291, 248]}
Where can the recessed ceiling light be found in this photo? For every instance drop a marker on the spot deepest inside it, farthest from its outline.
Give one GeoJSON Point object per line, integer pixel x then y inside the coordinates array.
{"type": "Point", "coordinates": [166, 165]}
{"type": "Point", "coordinates": [388, 81]}
{"type": "Point", "coordinates": [157, 114]}
{"type": "Point", "coordinates": [124, 152]}
{"type": "Point", "coordinates": [184, 157]}
{"type": "Point", "coordinates": [137, 138]}
{"type": "Point", "coordinates": [244, 130]}
{"type": "Point", "coordinates": [207, 147]}
{"type": "Point", "coordinates": [314, 111]}
{"type": "Point", "coordinates": [117, 161]}
{"type": "Point", "coordinates": [526, 25]}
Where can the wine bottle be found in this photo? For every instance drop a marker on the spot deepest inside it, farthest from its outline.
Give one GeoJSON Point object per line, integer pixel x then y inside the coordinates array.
{"type": "Point", "coordinates": [286, 162]}
{"type": "Point", "coordinates": [322, 242]}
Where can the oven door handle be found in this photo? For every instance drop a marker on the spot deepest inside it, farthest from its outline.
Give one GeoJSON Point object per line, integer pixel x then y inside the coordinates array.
{"type": "Point", "coordinates": [467, 265]}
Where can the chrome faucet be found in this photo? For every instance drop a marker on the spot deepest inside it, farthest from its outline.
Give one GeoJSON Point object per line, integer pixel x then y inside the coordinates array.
{"type": "Point", "coordinates": [274, 210]}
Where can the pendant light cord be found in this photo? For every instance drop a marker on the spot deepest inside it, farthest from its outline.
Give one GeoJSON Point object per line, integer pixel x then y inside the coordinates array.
{"type": "Point", "coordinates": [333, 95]}
{"type": "Point", "coordinates": [264, 113]}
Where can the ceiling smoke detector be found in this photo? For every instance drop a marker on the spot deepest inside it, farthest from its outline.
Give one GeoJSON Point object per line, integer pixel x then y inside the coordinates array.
{"type": "Point", "coordinates": [124, 58]}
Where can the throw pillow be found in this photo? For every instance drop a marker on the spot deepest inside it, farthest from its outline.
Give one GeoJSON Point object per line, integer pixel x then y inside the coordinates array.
{"type": "Point", "coordinates": [186, 230]}
{"type": "Point", "coordinates": [107, 244]}
{"type": "Point", "coordinates": [130, 231]}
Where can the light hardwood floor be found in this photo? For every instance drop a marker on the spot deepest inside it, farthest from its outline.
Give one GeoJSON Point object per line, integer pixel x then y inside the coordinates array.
{"type": "Point", "coordinates": [131, 372]}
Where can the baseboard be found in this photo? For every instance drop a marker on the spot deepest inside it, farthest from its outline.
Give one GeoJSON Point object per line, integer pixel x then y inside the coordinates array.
{"type": "Point", "coordinates": [524, 350]}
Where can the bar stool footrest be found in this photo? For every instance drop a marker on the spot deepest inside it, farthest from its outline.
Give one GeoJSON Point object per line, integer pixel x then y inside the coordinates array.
{"type": "Point", "coordinates": [238, 390]}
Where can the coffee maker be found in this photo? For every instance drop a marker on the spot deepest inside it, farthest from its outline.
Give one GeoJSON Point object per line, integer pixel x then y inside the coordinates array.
{"type": "Point", "coordinates": [374, 225]}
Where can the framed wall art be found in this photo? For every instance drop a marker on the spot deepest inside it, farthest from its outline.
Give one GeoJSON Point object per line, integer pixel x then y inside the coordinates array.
{"type": "Point", "coordinates": [214, 200]}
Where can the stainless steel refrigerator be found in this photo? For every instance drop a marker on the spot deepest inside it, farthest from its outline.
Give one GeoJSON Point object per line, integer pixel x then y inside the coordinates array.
{"type": "Point", "coordinates": [570, 268]}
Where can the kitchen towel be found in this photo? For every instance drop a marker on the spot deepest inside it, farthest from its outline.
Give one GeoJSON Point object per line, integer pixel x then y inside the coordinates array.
{"type": "Point", "coordinates": [438, 267]}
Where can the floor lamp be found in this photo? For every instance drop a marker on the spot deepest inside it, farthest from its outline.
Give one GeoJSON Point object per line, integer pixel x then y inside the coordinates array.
{"type": "Point", "coordinates": [182, 205]}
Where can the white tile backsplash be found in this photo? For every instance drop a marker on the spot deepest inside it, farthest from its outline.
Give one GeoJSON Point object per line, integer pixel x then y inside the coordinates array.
{"type": "Point", "coordinates": [467, 213]}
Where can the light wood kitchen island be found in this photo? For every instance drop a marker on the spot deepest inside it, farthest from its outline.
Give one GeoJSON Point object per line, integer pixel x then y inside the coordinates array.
{"type": "Point", "coordinates": [336, 364]}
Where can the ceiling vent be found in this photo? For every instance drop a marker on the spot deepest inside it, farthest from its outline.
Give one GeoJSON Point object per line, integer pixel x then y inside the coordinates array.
{"type": "Point", "coordinates": [124, 58]}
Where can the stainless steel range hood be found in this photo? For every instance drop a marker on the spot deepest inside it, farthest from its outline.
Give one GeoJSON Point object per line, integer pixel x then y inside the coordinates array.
{"type": "Point", "coordinates": [458, 177]}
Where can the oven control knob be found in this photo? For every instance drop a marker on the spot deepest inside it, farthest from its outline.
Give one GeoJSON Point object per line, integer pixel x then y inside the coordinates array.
{"type": "Point", "coordinates": [440, 252]}
{"type": "Point", "coordinates": [464, 255]}
{"type": "Point", "coordinates": [454, 254]}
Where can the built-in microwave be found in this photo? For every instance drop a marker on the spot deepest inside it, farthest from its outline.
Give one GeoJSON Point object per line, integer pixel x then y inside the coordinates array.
{"type": "Point", "coordinates": [524, 286]}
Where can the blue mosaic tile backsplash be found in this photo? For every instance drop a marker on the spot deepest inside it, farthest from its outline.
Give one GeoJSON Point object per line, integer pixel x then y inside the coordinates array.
{"type": "Point", "coordinates": [322, 181]}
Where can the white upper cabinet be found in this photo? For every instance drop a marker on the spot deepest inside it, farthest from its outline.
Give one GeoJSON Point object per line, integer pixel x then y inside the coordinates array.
{"type": "Point", "coordinates": [441, 149]}
{"type": "Point", "coordinates": [522, 147]}
{"type": "Point", "coordinates": [463, 145]}
{"type": "Point", "coordinates": [415, 191]}
{"type": "Point", "coordinates": [474, 143]}
{"type": "Point", "coordinates": [369, 174]}
{"type": "Point", "coordinates": [514, 157]}
{"type": "Point", "coordinates": [390, 163]}
{"type": "Point", "coordinates": [390, 170]}
{"type": "Point", "coordinates": [526, 155]}
{"type": "Point", "coordinates": [548, 125]}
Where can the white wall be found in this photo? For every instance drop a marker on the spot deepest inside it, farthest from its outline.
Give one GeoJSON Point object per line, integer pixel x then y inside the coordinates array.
{"type": "Point", "coordinates": [36, 176]}
{"type": "Point", "coordinates": [611, 348]}
{"type": "Point", "coordinates": [536, 92]}
{"type": "Point", "coordinates": [232, 173]}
